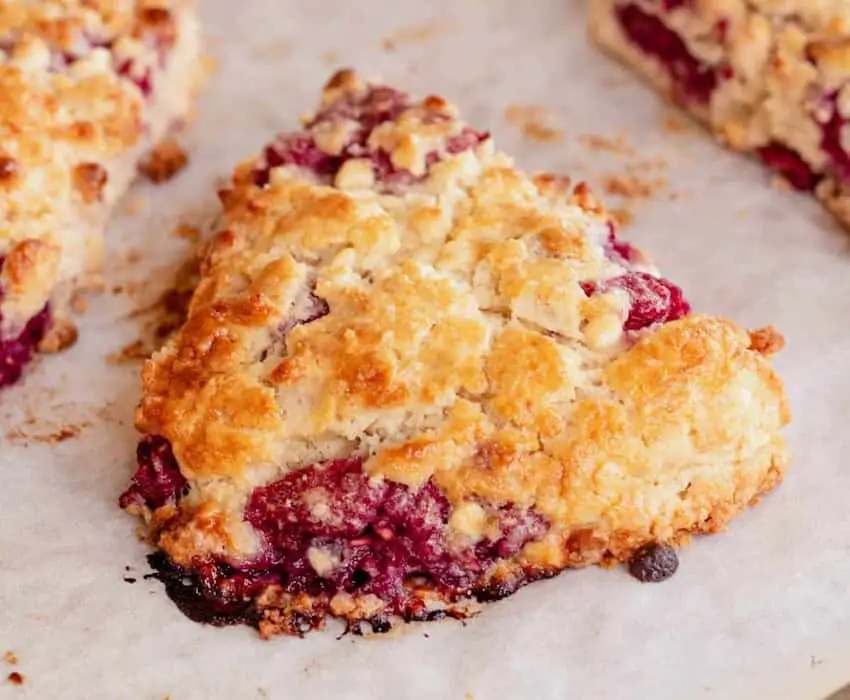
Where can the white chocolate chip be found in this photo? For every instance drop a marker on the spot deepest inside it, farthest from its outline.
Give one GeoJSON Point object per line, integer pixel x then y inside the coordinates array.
{"type": "Point", "coordinates": [604, 331]}
{"type": "Point", "coordinates": [323, 562]}
{"type": "Point", "coordinates": [355, 174]}
{"type": "Point", "coordinates": [469, 519]}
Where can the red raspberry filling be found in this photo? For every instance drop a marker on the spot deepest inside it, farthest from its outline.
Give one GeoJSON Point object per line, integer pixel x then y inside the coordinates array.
{"type": "Point", "coordinates": [17, 352]}
{"type": "Point", "coordinates": [366, 537]}
{"type": "Point", "coordinates": [371, 109]}
{"type": "Point", "coordinates": [693, 79]}
{"type": "Point", "coordinates": [790, 165]}
{"type": "Point", "coordinates": [622, 251]}
{"type": "Point", "coordinates": [375, 535]}
{"type": "Point", "coordinates": [653, 299]}
{"type": "Point", "coordinates": [157, 480]}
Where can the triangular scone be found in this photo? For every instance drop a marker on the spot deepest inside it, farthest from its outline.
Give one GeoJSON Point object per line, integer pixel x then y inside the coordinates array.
{"type": "Point", "coordinates": [86, 87]}
{"type": "Point", "coordinates": [413, 376]}
{"type": "Point", "coordinates": [769, 78]}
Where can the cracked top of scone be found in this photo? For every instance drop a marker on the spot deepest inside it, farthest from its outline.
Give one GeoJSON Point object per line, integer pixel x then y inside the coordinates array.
{"type": "Point", "coordinates": [74, 79]}
{"type": "Point", "coordinates": [389, 288]}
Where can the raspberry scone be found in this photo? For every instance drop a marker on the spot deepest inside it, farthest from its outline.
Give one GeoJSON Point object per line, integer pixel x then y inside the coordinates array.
{"type": "Point", "coordinates": [87, 87]}
{"type": "Point", "coordinates": [413, 378]}
{"type": "Point", "coordinates": [770, 78]}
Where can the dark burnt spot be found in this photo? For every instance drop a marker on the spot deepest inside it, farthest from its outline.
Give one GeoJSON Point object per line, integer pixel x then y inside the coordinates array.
{"type": "Point", "coordinates": [654, 562]}
{"type": "Point", "coordinates": [187, 592]}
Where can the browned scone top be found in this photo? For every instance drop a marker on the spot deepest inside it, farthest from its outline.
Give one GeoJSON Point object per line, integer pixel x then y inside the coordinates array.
{"type": "Point", "coordinates": [427, 307]}
{"type": "Point", "coordinates": [86, 86]}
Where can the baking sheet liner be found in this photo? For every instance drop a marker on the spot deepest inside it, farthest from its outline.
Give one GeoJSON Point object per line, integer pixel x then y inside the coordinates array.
{"type": "Point", "coordinates": [760, 612]}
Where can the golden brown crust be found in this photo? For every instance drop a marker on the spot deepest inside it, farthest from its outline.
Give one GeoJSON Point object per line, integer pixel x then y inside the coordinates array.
{"type": "Point", "coordinates": [84, 88]}
{"type": "Point", "coordinates": [462, 347]}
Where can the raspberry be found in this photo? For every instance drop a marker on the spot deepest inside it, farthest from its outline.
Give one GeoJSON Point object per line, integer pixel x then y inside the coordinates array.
{"type": "Point", "coordinates": [17, 352]}
{"type": "Point", "coordinates": [653, 299]}
{"type": "Point", "coordinates": [157, 480]}
{"type": "Point", "coordinates": [694, 79]}
{"type": "Point", "coordinates": [790, 165]}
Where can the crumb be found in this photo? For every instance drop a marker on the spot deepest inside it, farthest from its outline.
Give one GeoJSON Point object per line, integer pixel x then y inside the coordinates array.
{"type": "Point", "coordinates": [633, 186]}
{"type": "Point", "coordinates": [79, 303]}
{"type": "Point", "coordinates": [54, 437]}
{"type": "Point", "coordinates": [468, 696]}
{"type": "Point", "coordinates": [534, 122]}
{"type": "Point", "coordinates": [61, 335]}
{"type": "Point", "coordinates": [674, 123]}
{"type": "Point", "coordinates": [10, 657]}
{"type": "Point", "coordinates": [815, 661]}
{"type": "Point", "coordinates": [330, 58]}
{"type": "Point", "coordinates": [135, 205]}
{"type": "Point", "coordinates": [623, 217]}
{"type": "Point", "coordinates": [618, 146]}
{"type": "Point", "coordinates": [133, 256]}
{"type": "Point", "coordinates": [162, 316]}
{"type": "Point", "coordinates": [166, 160]}
{"type": "Point", "coordinates": [780, 184]}
{"type": "Point", "coordinates": [766, 341]}
{"type": "Point", "coordinates": [133, 352]}
{"type": "Point", "coordinates": [118, 289]}
{"type": "Point", "coordinates": [275, 50]}
{"type": "Point", "coordinates": [415, 34]}
{"type": "Point", "coordinates": [190, 233]}
{"type": "Point", "coordinates": [262, 692]}
{"type": "Point", "coordinates": [209, 67]}
{"type": "Point", "coordinates": [129, 579]}
{"type": "Point", "coordinates": [16, 678]}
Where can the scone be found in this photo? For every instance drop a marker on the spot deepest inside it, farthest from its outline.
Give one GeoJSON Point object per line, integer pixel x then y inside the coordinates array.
{"type": "Point", "coordinates": [770, 78]}
{"type": "Point", "coordinates": [87, 87]}
{"type": "Point", "coordinates": [413, 376]}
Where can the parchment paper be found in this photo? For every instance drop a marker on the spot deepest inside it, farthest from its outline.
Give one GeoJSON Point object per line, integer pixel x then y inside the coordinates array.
{"type": "Point", "coordinates": [761, 612]}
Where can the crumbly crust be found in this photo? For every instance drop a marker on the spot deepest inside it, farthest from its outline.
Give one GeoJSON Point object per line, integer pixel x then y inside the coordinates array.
{"type": "Point", "coordinates": [784, 74]}
{"type": "Point", "coordinates": [87, 86]}
{"type": "Point", "coordinates": [460, 347]}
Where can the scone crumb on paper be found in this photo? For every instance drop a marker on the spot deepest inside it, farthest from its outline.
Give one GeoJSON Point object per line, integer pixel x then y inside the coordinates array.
{"type": "Point", "coordinates": [188, 232]}
{"type": "Point", "coordinates": [673, 123]}
{"type": "Point", "coordinates": [10, 657]}
{"type": "Point", "coordinates": [79, 303]}
{"type": "Point", "coordinates": [135, 205]}
{"type": "Point", "coordinates": [54, 437]}
{"type": "Point", "coordinates": [618, 145]}
{"type": "Point", "coordinates": [416, 34]}
{"type": "Point", "coordinates": [136, 351]}
{"type": "Point", "coordinates": [633, 186]}
{"type": "Point", "coordinates": [16, 678]}
{"type": "Point", "coordinates": [623, 217]}
{"type": "Point", "coordinates": [534, 122]}
{"type": "Point", "coordinates": [166, 160]}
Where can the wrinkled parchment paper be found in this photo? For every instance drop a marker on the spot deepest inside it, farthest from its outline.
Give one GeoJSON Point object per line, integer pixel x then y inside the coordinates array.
{"type": "Point", "coordinates": [761, 612]}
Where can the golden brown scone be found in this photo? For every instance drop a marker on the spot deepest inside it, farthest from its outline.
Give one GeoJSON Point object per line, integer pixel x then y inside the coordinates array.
{"type": "Point", "coordinates": [86, 87]}
{"type": "Point", "coordinates": [769, 78]}
{"type": "Point", "coordinates": [413, 375]}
